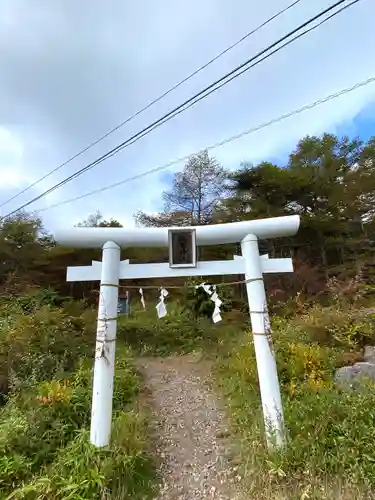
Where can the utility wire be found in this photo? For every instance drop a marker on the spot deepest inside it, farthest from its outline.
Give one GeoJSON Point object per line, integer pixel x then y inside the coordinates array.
{"type": "Point", "coordinates": [193, 100]}
{"type": "Point", "coordinates": [197, 97]}
{"type": "Point", "coordinates": [219, 144]}
{"type": "Point", "coordinates": [151, 103]}
{"type": "Point", "coordinates": [126, 144]}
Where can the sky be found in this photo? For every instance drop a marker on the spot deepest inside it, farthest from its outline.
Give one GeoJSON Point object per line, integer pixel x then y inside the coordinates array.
{"type": "Point", "coordinates": [71, 71]}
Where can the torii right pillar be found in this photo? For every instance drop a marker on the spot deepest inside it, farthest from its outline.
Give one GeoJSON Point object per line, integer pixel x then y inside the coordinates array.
{"type": "Point", "coordinates": [264, 353]}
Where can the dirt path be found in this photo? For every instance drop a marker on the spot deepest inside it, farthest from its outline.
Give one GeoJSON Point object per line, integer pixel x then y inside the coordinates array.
{"type": "Point", "coordinates": [190, 430]}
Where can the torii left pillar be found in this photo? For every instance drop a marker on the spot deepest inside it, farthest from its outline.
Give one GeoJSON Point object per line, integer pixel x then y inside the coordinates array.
{"type": "Point", "coordinates": [104, 367]}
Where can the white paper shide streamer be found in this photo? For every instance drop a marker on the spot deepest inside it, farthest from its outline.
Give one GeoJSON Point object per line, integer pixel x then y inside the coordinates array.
{"type": "Point", "coordinates": [142, 298]}
{"type": "Point", "coordinates": [211, 291]}
{"type": "Point", "coordinates": [160, 307]}
{"type": "Point", "coordinates": [216, 316]}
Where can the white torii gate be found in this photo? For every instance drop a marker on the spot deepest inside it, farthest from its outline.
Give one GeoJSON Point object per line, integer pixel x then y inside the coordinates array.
{"type": "Point", "coordinates": [112, 269]}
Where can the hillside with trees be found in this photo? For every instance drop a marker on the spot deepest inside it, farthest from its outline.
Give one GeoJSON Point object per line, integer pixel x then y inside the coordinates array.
{"type": "Point", "coordinates": [322, 321]}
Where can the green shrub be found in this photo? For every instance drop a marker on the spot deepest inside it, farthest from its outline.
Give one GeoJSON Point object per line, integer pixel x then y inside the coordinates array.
{"type": "Point", "coordinates": [51, 415]}
{"type": "Point", "coordinates": [329, 434]}
{"type": "Point", "coordinates": [46, 359]}
{"type": "Point", "coordinates": [35, 299]}
{"type": "Point", "coordinates": [81, 471]}
{"type": "Point", "coordinates": [42, 345]}
{"type": "Point", "coordinates": [329, 431]}
{"type": "Point", "coordinates": [331, 326]}
{"type": "Point", "coordinates": [36, 424]}
{"type": "Point", "coordinates": [176, 332]}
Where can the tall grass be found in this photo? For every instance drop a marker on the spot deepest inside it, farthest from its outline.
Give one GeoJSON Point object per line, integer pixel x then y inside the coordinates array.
{"type": "Point", "coordinates": [45, 377]}
{"type": "Point", "coordinates": [329, 452]}
{"type": "Point", "coordinates": [45, 453]}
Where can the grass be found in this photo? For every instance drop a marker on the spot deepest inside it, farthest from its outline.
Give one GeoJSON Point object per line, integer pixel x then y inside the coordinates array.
{"type": "Point", "coordinates": [177, 333]}
{"type": "Point", "coordinates": [330, 447]}
{"type": "Point", "coordinates": [45, 381]}
{"type": "Point", "coordinates": [45, 449]}
{"type": "Point", "coordinates": [330, 453]}
{"type": "Point", "coordinates": [45, 453]}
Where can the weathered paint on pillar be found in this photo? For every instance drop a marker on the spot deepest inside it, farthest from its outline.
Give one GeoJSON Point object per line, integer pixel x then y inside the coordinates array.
{"type": "Point", "coordinates": [101, 410]}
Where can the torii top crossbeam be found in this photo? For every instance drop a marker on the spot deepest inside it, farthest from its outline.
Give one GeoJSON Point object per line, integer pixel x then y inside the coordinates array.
{"type": "Point", "coordinates": [233, 232]}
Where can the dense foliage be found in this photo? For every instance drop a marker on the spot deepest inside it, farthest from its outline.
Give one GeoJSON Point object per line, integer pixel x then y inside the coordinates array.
{"type": "Point", "coordinates": [328, 180]}
{"type": "Point", "coordinates": [46, 382]}
{"type": "Point", "coordinates": [329, 454]}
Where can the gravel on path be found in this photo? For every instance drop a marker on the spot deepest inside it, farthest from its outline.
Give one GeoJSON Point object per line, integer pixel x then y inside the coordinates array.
{"type": "Point", "coordinates": [190, 429]}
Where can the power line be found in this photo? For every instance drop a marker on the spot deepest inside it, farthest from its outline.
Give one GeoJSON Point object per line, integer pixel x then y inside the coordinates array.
{"type": "Point", "coordinates": [151, 103]}
{"type": "Point", "coordinates": [197, 97]}
{"type": "Point", "coordinates": [126, 144]}
{"type": "Point", "coordinates": [219, 144]}
{"type": "Point", "coordinates": [193, 100]}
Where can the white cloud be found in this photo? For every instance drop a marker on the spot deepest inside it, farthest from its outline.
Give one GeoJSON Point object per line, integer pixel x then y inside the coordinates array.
{"type": "Point", "coordinates": [11, 152]}
{"type": "Point", "coordinates": [10, 178]}
{"type": "Point", "coordinates": [14, 174]}
{"type": "Point", "coordinates": [70, 71]}
{"type": "Point", "coordinates": [10, 145]}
